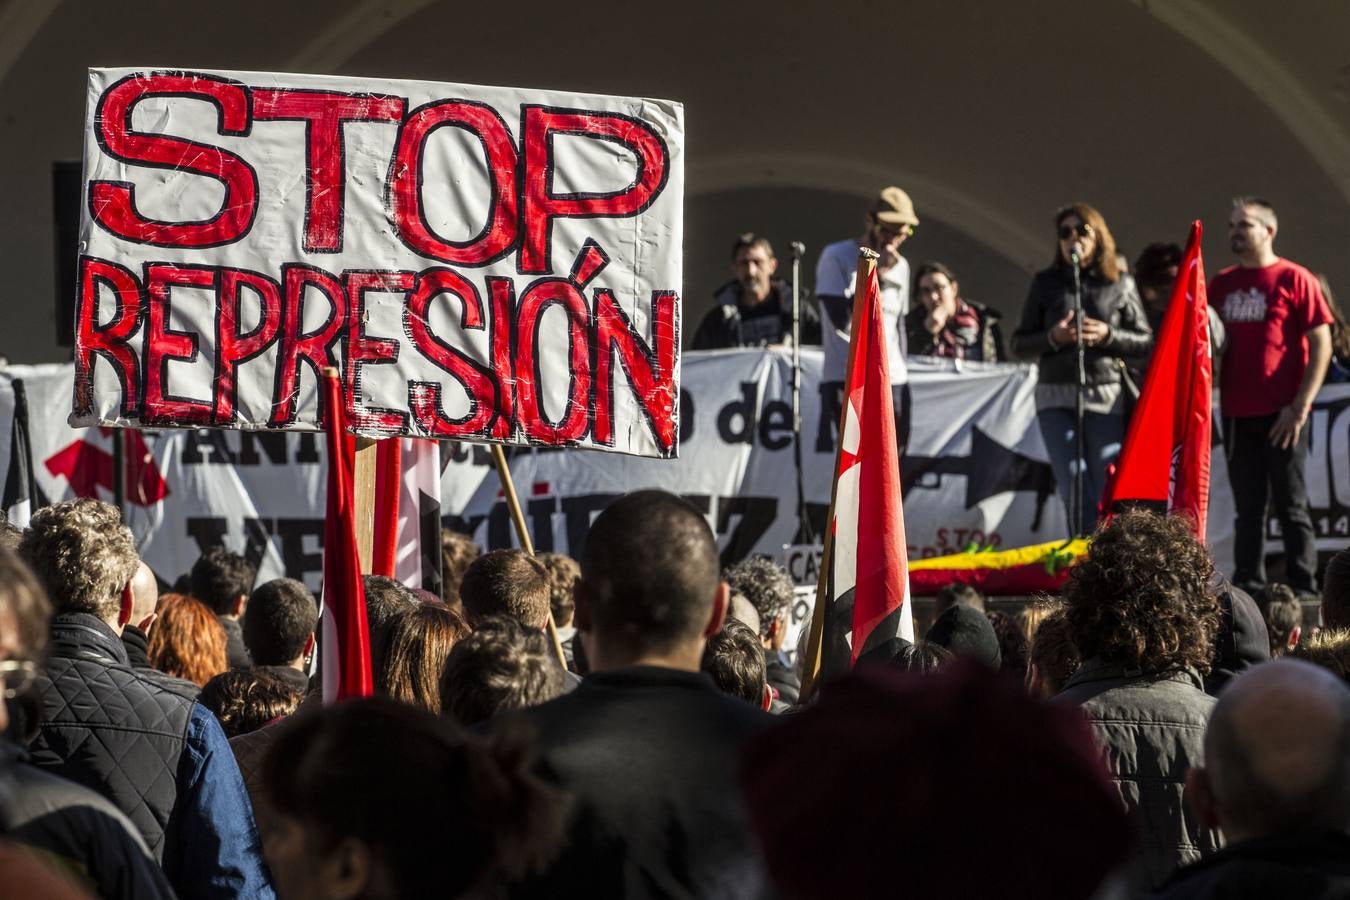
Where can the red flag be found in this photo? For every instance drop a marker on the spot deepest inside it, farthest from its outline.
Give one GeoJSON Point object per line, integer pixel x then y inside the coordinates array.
{"type": "Point", "coordinates": [388, 474]}
{"type": "Point", "coordinates": [1165, 459]}
{"type": "Point", "coordinates": [346, 637]}
{"type": "Point", "coordinates": [868, 558]}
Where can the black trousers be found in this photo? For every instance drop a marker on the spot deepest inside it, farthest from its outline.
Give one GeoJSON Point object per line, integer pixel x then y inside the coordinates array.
{"type": "Point", "coordinates": [1263, 475]}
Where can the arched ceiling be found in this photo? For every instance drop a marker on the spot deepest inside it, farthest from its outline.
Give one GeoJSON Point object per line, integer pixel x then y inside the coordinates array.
{"type": "Point", "coordinates": [991, 115]}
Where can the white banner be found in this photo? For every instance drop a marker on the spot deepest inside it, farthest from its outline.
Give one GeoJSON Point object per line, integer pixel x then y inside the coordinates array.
{"type": "Point", "coordinates": [480, 263]}
{"type": "Point", "coordinates": [976, 471]}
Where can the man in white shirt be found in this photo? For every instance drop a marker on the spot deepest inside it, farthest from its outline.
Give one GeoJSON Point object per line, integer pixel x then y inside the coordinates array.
{"type": "Point", "coordinates": [889, 222]}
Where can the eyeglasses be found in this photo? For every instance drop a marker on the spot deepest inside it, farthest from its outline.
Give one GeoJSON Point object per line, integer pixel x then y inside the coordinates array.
{"type": "Point", "coordinates": [17, 675]}
{"type": "Point", "coordinates": [1083, 229]}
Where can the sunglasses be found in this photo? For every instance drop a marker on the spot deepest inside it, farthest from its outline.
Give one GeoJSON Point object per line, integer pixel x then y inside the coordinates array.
{"type": "Point", "coordinates": [893, 230]}
{"type": "Point", "coordinates": [1083, 229]}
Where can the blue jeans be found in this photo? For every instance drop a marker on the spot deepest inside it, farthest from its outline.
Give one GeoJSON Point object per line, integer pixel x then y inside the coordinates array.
{"type": "Point", "coordinates": [1103, 434]}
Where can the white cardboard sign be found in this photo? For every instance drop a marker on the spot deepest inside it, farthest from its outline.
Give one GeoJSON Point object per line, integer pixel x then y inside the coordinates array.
{"type": "Point", "coordinates": [479, 263]}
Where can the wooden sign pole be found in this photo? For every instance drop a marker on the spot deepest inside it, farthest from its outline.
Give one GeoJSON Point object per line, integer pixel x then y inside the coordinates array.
{"type": "Point", "coordinates": [363, 499]}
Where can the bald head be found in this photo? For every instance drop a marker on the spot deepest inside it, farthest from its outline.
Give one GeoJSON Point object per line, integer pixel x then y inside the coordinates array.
{"type": "Point", "coordinates": [1277, 752]}
{"type": "Point", "coordinates": [144, 594]}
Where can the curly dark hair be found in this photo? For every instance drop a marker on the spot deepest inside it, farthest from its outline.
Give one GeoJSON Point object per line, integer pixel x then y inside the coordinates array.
{"type": "Point", "coordinates": [767, 585]}
{"type": "Point", "coordinates": [1142, 597]}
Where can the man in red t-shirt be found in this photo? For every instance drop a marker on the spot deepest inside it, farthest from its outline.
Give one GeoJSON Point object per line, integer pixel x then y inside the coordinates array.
{"type": "Point", "coordinates": [1279, 344]}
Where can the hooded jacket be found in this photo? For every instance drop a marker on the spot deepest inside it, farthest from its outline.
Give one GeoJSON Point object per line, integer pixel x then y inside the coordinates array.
{"type": "Point", "coordinates": [161, 758]}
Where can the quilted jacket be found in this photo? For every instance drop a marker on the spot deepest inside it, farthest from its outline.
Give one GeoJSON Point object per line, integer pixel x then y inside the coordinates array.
{"type": "Point", "coordinates": [162, 759]}
{"type": "Point", "coordinates": [1152, 729]}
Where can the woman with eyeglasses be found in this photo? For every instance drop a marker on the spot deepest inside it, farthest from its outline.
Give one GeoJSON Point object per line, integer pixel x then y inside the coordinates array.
{"type": "Point", "coordinates": [1114, 329]}
{"type": "Point", "coordinates": [943, 323]}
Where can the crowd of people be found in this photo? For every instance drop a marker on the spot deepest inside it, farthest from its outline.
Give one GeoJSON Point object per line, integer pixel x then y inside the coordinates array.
{"type": "Point", "coordinates": [1154, 731]}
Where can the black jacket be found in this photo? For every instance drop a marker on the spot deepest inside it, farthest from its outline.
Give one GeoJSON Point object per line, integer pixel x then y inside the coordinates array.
{"type": "Point", "coordinates": [780, 675]}
{"type": "Point", "coordinates": [1051, 298]}
{"type": "Point", "coordinates": [236, 654]}
{"type": "Point", "coordinates": [1300, 866]}
{"type": "Point", "coordinates": [76, 828]}
{"type": "Point", "coordinates": [724, 327]}
{"type": "Point", "coordinates": [650, 755]}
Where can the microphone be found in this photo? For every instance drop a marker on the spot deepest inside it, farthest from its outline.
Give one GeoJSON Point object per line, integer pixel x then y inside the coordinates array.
{"type": "Point", "coordinates": [1073, 257]}
{"type": "Point", "coordinates": [798, 249]}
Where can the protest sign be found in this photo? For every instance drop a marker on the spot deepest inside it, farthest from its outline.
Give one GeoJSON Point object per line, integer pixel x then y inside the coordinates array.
{"type": "Point", "coordinates": [480, 263]}
{"type": "Point", "coordinates": [972, 472]}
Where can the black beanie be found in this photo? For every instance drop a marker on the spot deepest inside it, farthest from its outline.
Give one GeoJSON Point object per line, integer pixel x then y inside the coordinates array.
{"type": "Point", "coordinates": [966, 632]}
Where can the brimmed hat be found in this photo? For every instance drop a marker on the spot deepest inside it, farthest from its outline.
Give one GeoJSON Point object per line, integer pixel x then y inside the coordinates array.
{"type": "Point", "coordinates": [894, 207]}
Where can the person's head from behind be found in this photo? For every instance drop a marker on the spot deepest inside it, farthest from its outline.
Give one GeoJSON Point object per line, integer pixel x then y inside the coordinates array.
{"type": "Point", "coordinates": [1141, 597]}
{"type": "Point", "coordinates": [563, 574]}
{"type": "Point", "coordinates": [245, 700]}
{"type": "Point", "coordinates": [506, 583]}
{"type": "Point", "coordinates": [500, 667]}
{"type": "Point", "coordinates": [1156, 272]}
{"type": "Point", "coordinates": [144, 594]}
{"type": "Point", "coordinates": [1275, 754]}
{"type": "Point", "coordinates": [366, 791]}
{"type": "Point", "coordinates": [1012, 642]}
{"type": "Point", "coordinates": [418, 643]}
{"type": "Point", "coordinates": [734, 659]}
{"type": "Point", "coordinates": [754, 264]}
{"type": "Point", "coordinates": [894, 741]}
{"type": "Point", "coordinates": [386, 601]}
{"type": "Point", "coordinates": [967, 632]}
{"type": "Point", "coordinates": [1082, 229]}
{"type": "Point", "coordinates": [770, 588]}
{"type": "Point", "coordinates": [85, 557]}
{"type": "Point", "coordinates": [222, 580]}
{"type": "Point", "coordinates": [1336, 591]}
{"type": "Point", "coordinates": [458, 551]}
{"type": "Point", "coordinates": [1284, 619]}
{"type": "Point", "coordinates": [187, 641]}
{"type": "Point", "coordinates": [11, 535]}
{"type": "Point", "coordinates": [1053, 658]}
{"type": "Point", "coordinates": [958, 593]}
{"type": "Point", "coordinates": [1328, 648]}
{"type": "Point", "coordinates": [279, 627]}
{"type": "Point", "coordinates": [24, 610]}
{"type": "Point", "coordinates": [650, 588]}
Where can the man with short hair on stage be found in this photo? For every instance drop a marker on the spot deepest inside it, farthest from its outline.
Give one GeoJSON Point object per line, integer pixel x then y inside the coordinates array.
{"type": "Point", "coordinates": [1279, 344]}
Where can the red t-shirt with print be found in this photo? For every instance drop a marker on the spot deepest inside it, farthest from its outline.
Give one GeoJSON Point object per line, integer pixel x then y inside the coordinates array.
{"type": "Point", "coordinates": [1267, 313]}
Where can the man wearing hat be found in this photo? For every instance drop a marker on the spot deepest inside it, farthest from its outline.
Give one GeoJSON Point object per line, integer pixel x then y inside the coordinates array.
{"type": "Point", "coordinates": [888, 223]}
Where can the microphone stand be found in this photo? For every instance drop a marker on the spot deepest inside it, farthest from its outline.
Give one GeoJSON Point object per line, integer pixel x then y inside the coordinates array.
{"type": "Point", "coordinates": [804, 534]}
{"type": "Point", "coordinates": [1079, 412]}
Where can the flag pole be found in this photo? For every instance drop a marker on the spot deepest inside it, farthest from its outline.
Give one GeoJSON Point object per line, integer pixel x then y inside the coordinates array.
{"type": "Point", "coordinates": [364, 477]}
{"type": "Point", "coordinates": [523, 534]}
{"type": "Point", "coordinates": [867, 264]}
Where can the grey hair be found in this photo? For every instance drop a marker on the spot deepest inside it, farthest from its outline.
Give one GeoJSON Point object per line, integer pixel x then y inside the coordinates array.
{"type": "Point", "coordinates": [83, 553]}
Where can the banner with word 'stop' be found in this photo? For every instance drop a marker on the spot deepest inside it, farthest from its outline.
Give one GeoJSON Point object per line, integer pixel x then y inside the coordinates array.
{"type": "Point", "coordinates": [480, 263]}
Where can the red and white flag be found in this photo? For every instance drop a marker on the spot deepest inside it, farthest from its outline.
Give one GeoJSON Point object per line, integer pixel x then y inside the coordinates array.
{"type": "Point", "coordinates": [869, 569]}
{"type": "Point", "coordinates": [1165, 460]}
{"type": "Point", "coordinates": [345, 647]}
{"type": "Point", "coordinates": [418, 562]}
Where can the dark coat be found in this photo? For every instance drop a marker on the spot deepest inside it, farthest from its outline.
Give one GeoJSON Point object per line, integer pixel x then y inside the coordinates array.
{"type": "Point", "coordinates": [76, 828]}
{"type": "Point", "coordinates": [721, 328]}
{"type": "Point", "coordinates": [1117, 304]}
{"type": "Point", "coordinates": [1299, 866]}
{"type": "Point", "coordinates": [781, 676]}
{"type": "Point", "coordinates": [159, 757]}
{"type": "Point", "coordinates": [650, 755]}
{"type": "Point", "coordinates": [1152, 729]}
{"type": "Point", "coordinates": [236, 654]}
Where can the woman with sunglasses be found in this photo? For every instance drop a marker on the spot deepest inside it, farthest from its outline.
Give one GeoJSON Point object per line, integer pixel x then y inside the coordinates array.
{"type": "Point", "coordinates": [1114, 329]}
